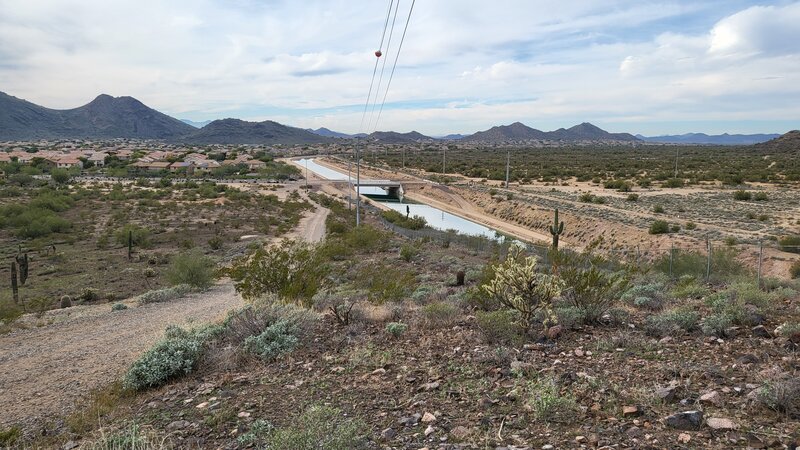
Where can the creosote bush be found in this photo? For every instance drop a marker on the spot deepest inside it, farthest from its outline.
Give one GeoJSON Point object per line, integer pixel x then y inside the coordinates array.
{"type": "Point", "coordinates": [191, 268]}
{"type": "Point", "coordinates": [499, 327]}
{"type": "Point", "coordinates": [439, 314]}
{"type": "Point", "coordinates": [165, 295]}
{"type": "Point", "coordinates": [659, 227]}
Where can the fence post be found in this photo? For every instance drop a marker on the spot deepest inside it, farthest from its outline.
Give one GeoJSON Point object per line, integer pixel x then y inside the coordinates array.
{"type": "Point", "coordinates": [760, 259]}
{"type": "Point", "coordinates": [671, 253]}
{"type": "Point", "coordinates": [708, 265]}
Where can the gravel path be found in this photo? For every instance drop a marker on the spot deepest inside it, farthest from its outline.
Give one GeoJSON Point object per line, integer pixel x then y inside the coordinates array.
{"type": "Point", "coordinates": [43, 371]}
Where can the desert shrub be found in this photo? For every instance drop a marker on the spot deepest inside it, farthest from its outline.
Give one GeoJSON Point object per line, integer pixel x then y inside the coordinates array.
{"type": "Point", "coordinates": [690, 226]}
{"type": "Point", "coordinates": [9, 436]}
{"type": "Point", "coordinates": [423, 292]}
{"type": "Point", "coordinates": [408, 252]}
{"type": "Point", "coordinates": [291, 270]}
{"type": "Point", "coordinates": [396, 329]}
{"type": "Point", "coordinates": [647, 295]}
{"type": "Point", "coordinates": [570, 317]}
{"type": "Point", "coordinates": [659, 227]}
{"type": "Point", "coordinates": [140, 236]}
{"type": "Point", "coordinates": [89, 295]}
{"type": "Point", "coordinates": [119, 307]}
{"type": "Point", "coordinates": [717, 324]}
{"type": "Point", "coordinates": [382, 288]}
{"type": "Point", "coordinates": [672, 322]}
{"type": "Point", "coordinates": [476, 296]}
{"type": "Point", "coordinates": [165, 295]}
{"type": "Point", "coordinates": [277, 339]}
{"type": "Point", "coordinates": [399, 219]}
{"type": "Point", "coordinates": [688, 287]}
{"type": "Point", "coordinates": [632, 197]}
{"type": "Point", "coordinates": [586, 198]}
{"type": "Point", "coordinates": [761, 197]}
{"type": "Point", "coordinates": [191, 268]}
{"type": "Point", "coordinates": [175, 355]}
{"type": "Point", "coordinates": [439, 314]}
{"type": "Point", "coordinates": [518, 286]}
{"type": "Point", "coordinates": [673, 183]}
{"type": "Point", "coordinates": [790, 244]}
{"type": "Point", "coordinates": [794, 270]}
{"type": "Point", "coordinates": [319, 427]}
{"type": "Point", "coordinates": [782, 395]}
{"type": "Point", "coordinates": [499, 327]}
{"type": "Point", "coordinates": [749, 293]}
{"type": "Point", "coordinates": [658, 209]}
{"type": "Point", "coordinates": [724, 264]}
{"type": "Point", "coordinates": [547, 402]}
{"type": "Point", "coordinates": [589, 287]}
{"type": "Point", "coordinates": [131, 437]}
{"type": "Point", "coordinates": [742, 196]}
{"type": "Point", "coordinates": [215, 243]}
{"type": "Point", "coordinates": [255, 318]}
{"type": "Point", "coordinates": [9, 311]}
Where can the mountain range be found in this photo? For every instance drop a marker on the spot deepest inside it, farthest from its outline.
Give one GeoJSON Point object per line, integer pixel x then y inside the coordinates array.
{"type": "Point", "coordinates": [108, 117]}
{"type": "Point", "coordinates": [718, 139]}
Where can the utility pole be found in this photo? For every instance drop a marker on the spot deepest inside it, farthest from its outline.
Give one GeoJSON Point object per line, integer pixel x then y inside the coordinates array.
{"type": "Point", "coordinates": [350, 186]}
{"type": "Point", "coordinates": [444, 158]}
{"type": "Point", "coordinates": [677, 151]}
{"type": "Point", "coordinates": [508, 165]}
{"type": "Point", "coordinates": [358, 186]}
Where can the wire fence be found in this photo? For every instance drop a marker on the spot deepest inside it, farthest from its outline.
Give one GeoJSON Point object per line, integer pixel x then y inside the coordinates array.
{"type": "Point", "coordinates": [711, 261]}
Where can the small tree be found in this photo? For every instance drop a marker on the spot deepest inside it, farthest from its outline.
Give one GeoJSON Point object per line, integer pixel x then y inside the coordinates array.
{"type": "Point", "coordinates": [192, 268]}
{"type": "Point", "coordinates": [517, 285]}
{"type": "Point", "coordinates": [60, 176]}
{"type": "Point", "coordinates": [659, 227]}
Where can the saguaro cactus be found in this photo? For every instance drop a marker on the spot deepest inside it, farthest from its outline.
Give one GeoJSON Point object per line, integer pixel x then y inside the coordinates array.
{"type": "Point", "coordinates": [130, 243]}
{"type": "Point", "coordinates": [14, 287]}
{"type": "Point", "coordinates": [22, 263]}
{"type": "Point", "coordinates": [556, 229]}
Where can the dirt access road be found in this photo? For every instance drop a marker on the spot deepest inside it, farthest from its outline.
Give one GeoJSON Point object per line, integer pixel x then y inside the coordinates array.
{"type": "Point", "coordinates": [45, 370]}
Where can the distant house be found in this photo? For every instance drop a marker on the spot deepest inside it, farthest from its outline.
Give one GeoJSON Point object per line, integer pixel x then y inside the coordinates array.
{"type": "Point", "coordinates": [68, 162]}
{"type": "Point", "coordinates": [5, 157]}
{"type": "Point", "coordinates": [181, 166]}
{"type": "Point", "coordinates": [206, 165]}
{"type": "Point", "coordinates": [255, 164]}
{"type": "Point", "coordinates": [99, 159]}
{"type": "Point", "coordinates": [155, 166]}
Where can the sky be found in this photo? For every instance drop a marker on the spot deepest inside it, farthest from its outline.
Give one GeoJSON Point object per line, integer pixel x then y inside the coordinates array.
{"type": "Point", "coordinates": [648, 67]}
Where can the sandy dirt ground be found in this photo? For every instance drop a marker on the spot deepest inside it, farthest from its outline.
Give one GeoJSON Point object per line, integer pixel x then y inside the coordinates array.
{"type": "Point", "coordinates": [45, 370]}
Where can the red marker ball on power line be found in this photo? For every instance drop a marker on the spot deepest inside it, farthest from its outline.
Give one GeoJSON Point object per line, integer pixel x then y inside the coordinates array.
{"type": "Point", "coordinates": [378, 53]}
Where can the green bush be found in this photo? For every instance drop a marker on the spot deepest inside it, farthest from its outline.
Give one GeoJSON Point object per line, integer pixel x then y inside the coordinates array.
{"type": "Point", "coordinates": [175, 355]}
{"type": "Point", "coordinates": [782, 395]}
{"type": "Point", "coordinates": [439, 314]}
{"type": "Point", "coordinates": [742, 196]}
{"type": "Point", "coordinates": [672, 322]}
{"type": "Point", "coordinates": [408, 252]}
{"type": "Point", "coordinates": [165, 295]}
{"type": "Point", "coordinates": [659, 227]}
{"type": "Point", "coordinates": [690, 226]}
{"type": "Point", "coordinates": [717, 325]}
{"type": "Point", "coordinates": [500, 326]}
{"type": "Point", "coordinates": [399, 219]}
{"type": "Point", "coordinates": [589, 287]}
{"type": "Point", "coordinates": [570, 317]}
{"type": "Point", "coordinates": [319, 427]}
{"type": "Point", "coordinates": [632, 197]}
{"type": "Point", "coordinates": [118, 307]}
{"type": "Point", "coordinates": [658, 209]}
{"type": "Point", "coordinates": [790, 244]}
{"type": "Point", "coordinates": [9, 311]}
{"type": "Point", "coordinates": [277, 339]}
{"type": "Point", "coordinates": [139, 235]}
{"type": "Point", "coordinates": [292, 270]}
{"type": "Point", "coordinates": [132, 437]}
{"type": "Point", "coordinates": [794, 270]}
{"type": "Point", "coordinates": [647, 295]}
{"type": "Point", "coordinates": [382, 288]}
{"type": "Point", "coordinates": [724, 265]}
{"type": "Point", "coordinates": [547, 402]}
{"type": "Point", "coordinates": [396, 329]}
{"type": "Point", "coordinates": [192, 268]}
{"type": "Point", "coordinates": [761, 197]}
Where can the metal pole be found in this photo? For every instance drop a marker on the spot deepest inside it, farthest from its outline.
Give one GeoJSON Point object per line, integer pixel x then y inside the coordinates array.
{"type": "Point", "coordinates": [444, 158]}
{"type": "Point", "coordinates": [708, 266]}
{"type": "Point", "coordinates": [350, 186]}
{"type": "Point", "coordinates": [404, 158]}
{"type": "Point", "coordinates": [508, 164]}
{"type": "Point", "coordinates": [358, 186]}
{"type": "Point", "coordinates": [760, 259]}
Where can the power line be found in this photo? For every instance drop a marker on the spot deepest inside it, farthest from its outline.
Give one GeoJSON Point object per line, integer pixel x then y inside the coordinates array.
{"type": "Point", "coordinates": [375, 69]}
{"type": "Point", "coordinates": [396, 57]}
{"type": "Point", "coordinates": [383, 67]}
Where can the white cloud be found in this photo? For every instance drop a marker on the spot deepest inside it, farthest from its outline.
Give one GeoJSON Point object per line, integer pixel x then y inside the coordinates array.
{"type": "Point", "coordinates": [464, 67]}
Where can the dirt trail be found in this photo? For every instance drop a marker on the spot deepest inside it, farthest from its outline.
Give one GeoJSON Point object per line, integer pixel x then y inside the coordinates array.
{"type": "Point", "coordinates": [45, 370]}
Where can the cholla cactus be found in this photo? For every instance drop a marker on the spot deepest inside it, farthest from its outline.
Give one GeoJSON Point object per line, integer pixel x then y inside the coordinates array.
{"type": "Point", "coordinates": [517, 285]}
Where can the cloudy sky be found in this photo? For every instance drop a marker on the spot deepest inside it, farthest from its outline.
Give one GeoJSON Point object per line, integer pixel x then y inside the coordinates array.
{"type": "Point", "coordinates": [650, 67]}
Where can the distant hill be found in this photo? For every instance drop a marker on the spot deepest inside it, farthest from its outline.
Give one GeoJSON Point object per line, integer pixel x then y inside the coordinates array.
{"type": "Point", "coordinates": [521, 132]}
{"type": "Point", "coordinates": [105, 117]}
{"type": "Point", "coordinates": [334, 134]}
{"type": "Point", "coordinates": [789, 142]}
{"type": "Point", "coordinates": [718, 139]}
{"type": "Point", "coordinates": [235, 131]}
{"type": "Point", "coordinates": [451, 137]}
{"type": "Point", "coordinates": [196, 124]}
{"type": "Point", "coordinates": [393, 137]}
{"type": "Point", "coordinates": [515, 132]}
